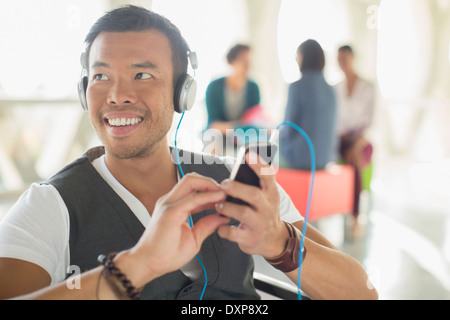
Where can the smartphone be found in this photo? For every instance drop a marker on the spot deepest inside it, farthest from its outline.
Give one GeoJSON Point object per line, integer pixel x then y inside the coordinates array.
{"type": "Point", "coordinates": [242, 172]}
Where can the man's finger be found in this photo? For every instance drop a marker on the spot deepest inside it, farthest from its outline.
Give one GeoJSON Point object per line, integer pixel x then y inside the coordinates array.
{"type": "Point", "coordinates": [263, 170]}
{"type": "Point", "coordinates": [190, 184]}
{"type": "Point", "coordinates": [241, 213]}
{"type": "Point", "coordinates": [239, 235]}
{"type": "Point", "coordinates": [206, 226]}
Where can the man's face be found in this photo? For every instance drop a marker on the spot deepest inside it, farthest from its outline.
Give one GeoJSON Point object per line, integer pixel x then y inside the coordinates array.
{"type": "Point", "coordinates": [130, 91]}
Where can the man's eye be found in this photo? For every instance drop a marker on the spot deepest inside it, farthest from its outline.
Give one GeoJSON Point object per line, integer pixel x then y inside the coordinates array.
{"type": "Point", "coordinates": [143, 76]}
{"type": "Point", "coordinates": [101, 77]}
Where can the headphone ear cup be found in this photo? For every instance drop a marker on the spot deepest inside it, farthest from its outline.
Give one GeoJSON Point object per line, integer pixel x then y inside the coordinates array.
{"type": "Point", "coordinates": [185, 93]}
{"type": "Point", "coordinates": [82, 87]}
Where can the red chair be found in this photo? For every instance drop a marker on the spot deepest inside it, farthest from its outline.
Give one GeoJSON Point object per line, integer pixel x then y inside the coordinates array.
{"type": "Point", "coordinates": [333, 191]}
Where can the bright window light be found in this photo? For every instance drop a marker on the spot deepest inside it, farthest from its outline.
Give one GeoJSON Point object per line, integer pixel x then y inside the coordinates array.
{"type": "Point", "coordinates": [326, 21]}
{"type": "Point", "coordinates": [41, 45]}
{"type": "Point", "coordinates": [210, 33]}
{"type": "Point", "coordinates": [403, 48]}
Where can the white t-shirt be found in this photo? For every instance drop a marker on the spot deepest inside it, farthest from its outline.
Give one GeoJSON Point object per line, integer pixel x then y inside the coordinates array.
{"type": "Point", "coordinates": [37, 227]}
{"type": "Point", "coordinates": [355, 112]}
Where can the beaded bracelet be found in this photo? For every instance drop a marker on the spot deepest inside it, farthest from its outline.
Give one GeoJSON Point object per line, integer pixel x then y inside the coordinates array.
{"type": "Point", "coordinates": [118, 282]}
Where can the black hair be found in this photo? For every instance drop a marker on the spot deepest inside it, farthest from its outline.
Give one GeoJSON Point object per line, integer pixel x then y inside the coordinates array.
{"type": "Point", "coordinates": [346, 48]}
{"type": "Point", "coordinates": [235, 51]}
{"type": "Point", "coordinates": [313, 57]}
{"type": "Point", "coordinates": [134, 18]}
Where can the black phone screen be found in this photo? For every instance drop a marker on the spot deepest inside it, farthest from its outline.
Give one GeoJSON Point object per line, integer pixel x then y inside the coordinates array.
{"type": "Point", "coordinates": [243, 173]}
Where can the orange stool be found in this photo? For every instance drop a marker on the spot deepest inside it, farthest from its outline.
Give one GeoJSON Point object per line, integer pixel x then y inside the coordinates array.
{"type": "Point", "coordinates": [333, 190]}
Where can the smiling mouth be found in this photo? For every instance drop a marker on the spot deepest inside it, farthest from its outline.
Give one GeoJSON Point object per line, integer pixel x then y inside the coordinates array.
{"type": "Point", "coordinates": [122, 122]}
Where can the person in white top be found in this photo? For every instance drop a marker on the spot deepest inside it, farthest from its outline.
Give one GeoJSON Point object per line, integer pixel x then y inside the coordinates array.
{"type": "Point", "coordinates": [131, 76]}
{"type": "Point", "coordinates": [356, 103]}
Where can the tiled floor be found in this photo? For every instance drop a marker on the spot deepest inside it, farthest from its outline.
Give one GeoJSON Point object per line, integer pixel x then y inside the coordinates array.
{"type": "Point", "coordinates": [406, 247]}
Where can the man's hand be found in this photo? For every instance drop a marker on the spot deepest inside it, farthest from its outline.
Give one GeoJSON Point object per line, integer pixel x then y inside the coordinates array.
{"type": "Point", "coordinates": [168, 242]}
{"type": "Point", "coordinates": [261, 230]}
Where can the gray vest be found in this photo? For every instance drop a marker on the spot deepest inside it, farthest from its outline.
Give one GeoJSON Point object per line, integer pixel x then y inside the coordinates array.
{"type": "Point", "coordinates": [101, 223]}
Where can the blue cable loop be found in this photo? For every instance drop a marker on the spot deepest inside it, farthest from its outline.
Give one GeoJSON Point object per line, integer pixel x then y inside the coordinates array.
{"type": "Point", "coordinates": [308, 206]}
{"type": "Point", "coordinates": [190, 218]}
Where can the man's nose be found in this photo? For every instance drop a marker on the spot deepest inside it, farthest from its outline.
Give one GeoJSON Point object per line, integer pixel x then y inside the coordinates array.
{"type": "Point", "coordinates": [121, 93]}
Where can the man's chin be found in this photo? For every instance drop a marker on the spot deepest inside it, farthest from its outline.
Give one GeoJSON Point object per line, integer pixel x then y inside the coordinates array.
{"type": "Point", "coordinates": [128, 153]}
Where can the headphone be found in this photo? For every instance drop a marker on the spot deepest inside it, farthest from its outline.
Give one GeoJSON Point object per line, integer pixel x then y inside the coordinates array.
{"type": "Point", "coordinates": [184, 93]}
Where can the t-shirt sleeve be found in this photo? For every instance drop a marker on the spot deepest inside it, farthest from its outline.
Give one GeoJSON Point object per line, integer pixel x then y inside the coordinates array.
{"type": "Point", "coordinates": [288, 211]}
{"type": "Point", "coordinates": [36, 229]}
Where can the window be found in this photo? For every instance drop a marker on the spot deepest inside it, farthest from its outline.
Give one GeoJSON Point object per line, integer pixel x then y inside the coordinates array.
{"type": "Point", "coordinates": [210, 33]}
{"type": "Point", "coordinates": [326, 21]}
{"type": "Point", "coordinates": [41, 120]}
{"type": "Point", "coordinates": [404, 37]}
{"type": "Point", "coordinates": [41, 45]}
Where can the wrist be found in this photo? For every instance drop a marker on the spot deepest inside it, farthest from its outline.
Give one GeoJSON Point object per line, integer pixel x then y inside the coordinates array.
{"type": "Point", "coordinates": [129, 263]}
{"type": "Point", "coordinates": [288, 260]}
{"type": "Point", "coordinates": [279, 242]}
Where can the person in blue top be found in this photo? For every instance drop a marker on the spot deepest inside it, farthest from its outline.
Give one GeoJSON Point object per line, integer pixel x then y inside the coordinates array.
{"type": "Point", "coordinates": [229, 98]}
{"type": "Point", "coordinates": [312, 106]}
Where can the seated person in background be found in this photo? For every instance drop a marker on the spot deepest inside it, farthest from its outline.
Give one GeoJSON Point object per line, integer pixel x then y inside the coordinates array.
{"type": "Point", "coordinates": [356, 99]}
{"type": "Point", "coordinates": [312, 106]}
{"type": "Point", "coordinates": [230, 98]}
{"type": "Point", "coordinates": [127, 200]}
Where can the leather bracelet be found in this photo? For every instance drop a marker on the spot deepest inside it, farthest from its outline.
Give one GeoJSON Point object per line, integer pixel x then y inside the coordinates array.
{"type": "Point", "coordinates": [118, 282]}
{"type": "Point", "coordinates": [288, 260]}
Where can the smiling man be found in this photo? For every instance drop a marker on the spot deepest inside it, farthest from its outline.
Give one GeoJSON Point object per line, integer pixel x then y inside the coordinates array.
{"type": "Point", "coordinates": [119, 213]}
{"type": "Point", "coordinates": [131, 91]}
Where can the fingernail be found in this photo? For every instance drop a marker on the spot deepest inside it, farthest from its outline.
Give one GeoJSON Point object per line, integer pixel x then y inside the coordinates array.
{"type": "Point", "coordinates": [226, 184]}
{"type": "Point", "coordinates": [219, 205]}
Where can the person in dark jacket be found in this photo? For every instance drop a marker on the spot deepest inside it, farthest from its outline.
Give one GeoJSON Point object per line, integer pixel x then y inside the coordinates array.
{"type": "Point", "coordinates": [312, 106]}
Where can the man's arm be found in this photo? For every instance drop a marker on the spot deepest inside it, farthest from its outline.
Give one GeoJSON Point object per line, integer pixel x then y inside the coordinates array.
{"type": "Point", "coordinates": [20, 277]}
{"type": "Point", "coordinates": [25, 280]}
{"type": "Point", "coordinates": [167, 244]}
{"type": "Point", "coordinates": [93, 285]}
{"type": "Point", "coordinates": [327, 273]}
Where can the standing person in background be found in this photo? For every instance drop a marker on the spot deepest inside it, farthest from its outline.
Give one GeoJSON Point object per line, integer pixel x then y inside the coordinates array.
{"type": "Point", "coordinates": [356, 100]}
{"type": "Point", "coordinates": [229, 98]}
{"type": "Point", "coordinates": [312, 106]}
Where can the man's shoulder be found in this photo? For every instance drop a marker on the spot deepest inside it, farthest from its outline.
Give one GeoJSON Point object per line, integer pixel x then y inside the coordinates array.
{"type": "Point", "coordinates": [74, 168]}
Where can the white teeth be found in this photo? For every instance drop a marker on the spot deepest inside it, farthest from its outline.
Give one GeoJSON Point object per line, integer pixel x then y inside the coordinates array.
{"type": "Point", "coordinates": [120, 122]}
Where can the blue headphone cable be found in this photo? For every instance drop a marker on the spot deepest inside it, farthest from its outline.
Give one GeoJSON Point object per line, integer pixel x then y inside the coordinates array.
{"type": "Point", "coordinates": [190, 218]}
{"type": "Point", "coordinates": [308, 206]}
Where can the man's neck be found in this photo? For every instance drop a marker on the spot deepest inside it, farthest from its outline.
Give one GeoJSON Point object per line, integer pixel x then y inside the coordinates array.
{"type": "Point", "coordinates": [147, 178]}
